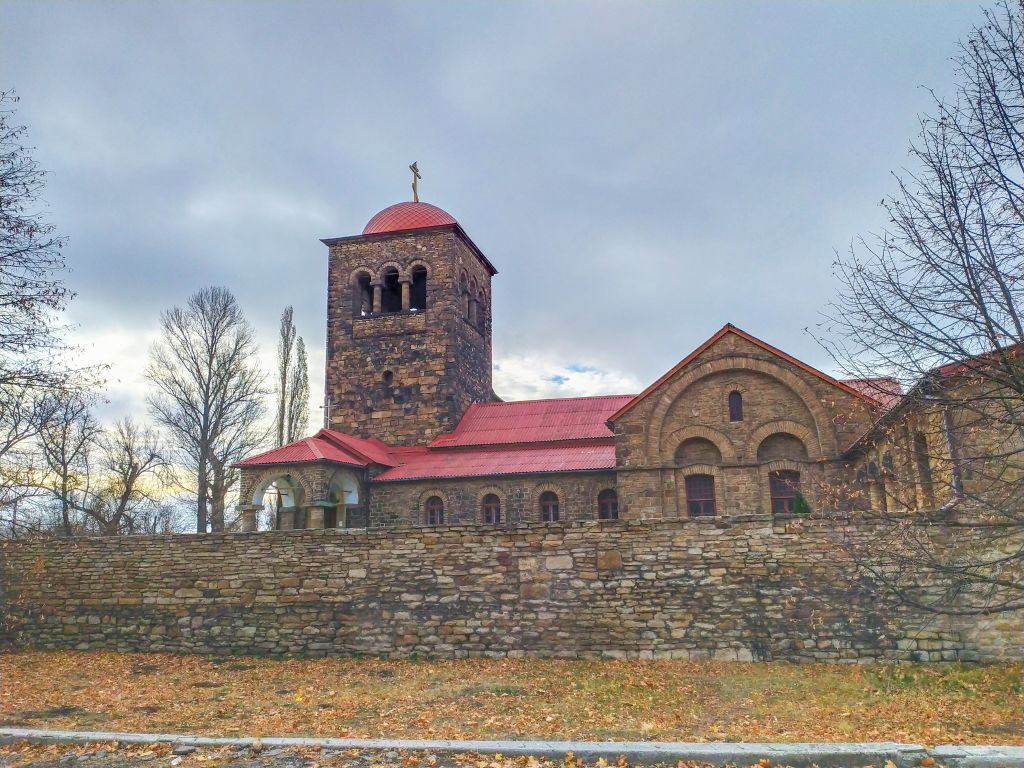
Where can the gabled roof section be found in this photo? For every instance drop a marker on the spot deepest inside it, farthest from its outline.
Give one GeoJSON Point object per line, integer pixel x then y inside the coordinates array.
{"type": "Point", "coordinates": [534, 421]}
{"type": "Point", "coordinates": [325, 446]}
{"type": "Point", "coordinates": [726, 329]}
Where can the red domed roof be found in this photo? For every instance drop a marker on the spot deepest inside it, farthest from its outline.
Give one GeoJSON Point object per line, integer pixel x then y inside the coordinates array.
{"type": "Point", "coordinates": [407, 216]}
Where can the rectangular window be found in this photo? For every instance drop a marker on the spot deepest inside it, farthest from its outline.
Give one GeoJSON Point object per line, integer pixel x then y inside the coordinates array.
{"type": "Point", "coordinates": [784, 485]}
{"type": "Point", "coordinates": [700, 495]}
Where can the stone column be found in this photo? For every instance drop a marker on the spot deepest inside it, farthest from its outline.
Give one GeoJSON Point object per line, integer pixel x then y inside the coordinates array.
{"type": "Point", "coordinates": [249, 512]}
{"type": "Point", "coordinates": [376, 298]}
{"type": "Point", "coordinates": [287, 518]}
{"type": "Point", "coordinates": [316, 516]}
{"type": "Point", "coordinates": [406, 286]}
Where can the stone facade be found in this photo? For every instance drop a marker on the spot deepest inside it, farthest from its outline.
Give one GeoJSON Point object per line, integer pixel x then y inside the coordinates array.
{"type": "Point", "coordinates": [792, 419]}
{"type": "Point", "coordinates": [737, 588]}
{"type": "Point", "coordinates": [403, 373]}
{"type": "Point", "coordinates": [403, 504]}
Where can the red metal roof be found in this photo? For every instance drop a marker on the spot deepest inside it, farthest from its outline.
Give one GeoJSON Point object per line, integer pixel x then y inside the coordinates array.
{"type": "Point", "coordinates": [478, 462]}
{"type": "Point", "coordinates": [326, 445]}
{"type": "Point", "coordinates": [886, 391]}
{"type": "Point", "coordinates": [534, 421]}
{"type": "Point", "coordinates": [403, 216]}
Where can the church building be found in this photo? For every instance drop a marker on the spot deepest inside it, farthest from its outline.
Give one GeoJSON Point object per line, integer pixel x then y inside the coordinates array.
{"type": "Point", "coordinates": [417, 437]}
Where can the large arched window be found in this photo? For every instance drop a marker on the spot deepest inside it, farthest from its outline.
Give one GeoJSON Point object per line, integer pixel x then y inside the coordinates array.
{"type": "Point", "coordinates": [362, 295]}
{"type": "Point", "coordinates": [700, 495]}
{"type": "Point", "coordinates": [418, 289]}
{"type": "Point", "coordinates": [549, 507]}
{"type": "Point", "coordinates": [784, 486]}
{"type": "Point", "coordinates": [490, 509]}
{"type": "Point", "coordinates": [390, 291]}
{"type": "Point", "coordinates": [735, 406]}
{"type": "Point", "coordinates": [608, 505]}
{"type": "Point", "coordinates": [434, 509]}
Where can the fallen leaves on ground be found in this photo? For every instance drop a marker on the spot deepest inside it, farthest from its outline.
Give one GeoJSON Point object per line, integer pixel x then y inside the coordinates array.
{"type": "Point", "coordinates": [513, 698]}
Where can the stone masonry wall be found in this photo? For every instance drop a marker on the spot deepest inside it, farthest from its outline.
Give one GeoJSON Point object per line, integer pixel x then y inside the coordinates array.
{"type": "Point", "coordinates": [730, 589]}
{"type": "Point", "coordinates": [405, 377]}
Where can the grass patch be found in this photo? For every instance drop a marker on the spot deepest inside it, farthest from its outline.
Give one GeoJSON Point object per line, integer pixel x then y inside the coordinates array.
{"type": "Point", "coordinates": [504, 698]}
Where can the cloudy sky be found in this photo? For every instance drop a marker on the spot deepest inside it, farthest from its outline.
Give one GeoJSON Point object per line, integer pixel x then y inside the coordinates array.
{"type": "Point", "coordinates": [639, 173]}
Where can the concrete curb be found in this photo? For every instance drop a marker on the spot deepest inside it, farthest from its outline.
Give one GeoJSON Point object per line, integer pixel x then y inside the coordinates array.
{"type": "Point", "coordinates": [853, 755]}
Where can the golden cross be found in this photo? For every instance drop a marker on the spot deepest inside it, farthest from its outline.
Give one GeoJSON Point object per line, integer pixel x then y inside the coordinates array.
{"type": "Point", "coordinates": [415, 176]}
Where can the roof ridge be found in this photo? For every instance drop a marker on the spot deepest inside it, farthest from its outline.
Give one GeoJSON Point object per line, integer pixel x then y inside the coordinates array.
{"type": "Point", "coordinates": [555, 399]}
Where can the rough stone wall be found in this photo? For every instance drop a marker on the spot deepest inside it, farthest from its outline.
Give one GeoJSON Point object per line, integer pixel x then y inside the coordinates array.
{"type": "Point", "coordinates": [728, 589]}
{"type": "Point", "coordinates": [439, 361]}
{"type": "Point", "coordinates": [397, 504]}
{"type": "Point", "coordinates": [778, 396]}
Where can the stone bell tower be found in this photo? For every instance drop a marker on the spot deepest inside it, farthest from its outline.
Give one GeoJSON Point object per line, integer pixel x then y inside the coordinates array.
{"type": "Point", "coordinates": [408, 326]}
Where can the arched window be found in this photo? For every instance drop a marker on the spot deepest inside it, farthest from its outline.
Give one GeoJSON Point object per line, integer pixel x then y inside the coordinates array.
{"type": "Point", "coordinates": [418, 289]}
{"type": "Point", "coordinates": [390, 291]}
{"type": "Point", "coordinates": [784, 486]}
{"type": "Point", "coordinates": [549, 507]}
{"type": "Point", "coordinates": [735, 406]}
{"type": "Point", "coordinates": [434, 511]}
{"type": "Point", "coordinates": [608, 505]}
{"type": "Point", "coordinates": [490, 509]}
{"type": "Point", "coordinates": [700, 495]}
{"type": "Point", "coordinates": [464, 295]}
{"type": "Point", "coordinates": [362, 295]}
{"type": "Point", "coordinates": [481, 312]}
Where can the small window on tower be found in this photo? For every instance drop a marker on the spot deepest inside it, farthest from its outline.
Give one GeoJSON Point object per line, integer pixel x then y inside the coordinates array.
{"type": "Point", "coordinates": [389, 378]}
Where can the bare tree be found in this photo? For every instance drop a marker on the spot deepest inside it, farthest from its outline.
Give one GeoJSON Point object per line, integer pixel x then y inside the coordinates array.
{"type": "Point", "coordinates": [298, 395]}
{"type": "Point", "coordinates": [126, 490]}
{"type": "Point", "coordinates": [208, 388]}
{"type": "Point", "coordinates": [31, 290]}
{"type": "Point", "coordinates": [68, 438]}
{"type": "Point", "coordinates": [22, 412]}
{"type": "Point", "coordinates": [285, 350]}
{"type": "Point", "coordinates": [934, 301]}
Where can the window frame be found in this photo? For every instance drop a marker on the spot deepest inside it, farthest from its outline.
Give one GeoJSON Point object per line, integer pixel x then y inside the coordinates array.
{"type": "Point", "coordinates": [782, 480]}
{"type": "Point", "coordinates": [549, 507]}
{"type": "Point", "coordinates": [608, 504]}
{"type": "Point", "coordinates": [490, 511]}
{"type": "Point", "coordinates": [735, 403]}
{"type": "Point", "coordinates": [702, 502]}
{"type": "Point", "coordinates": [433, 514]}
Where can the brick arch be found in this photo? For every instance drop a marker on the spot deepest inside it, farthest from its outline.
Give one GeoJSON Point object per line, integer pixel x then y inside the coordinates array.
{"type": "Point", "coordinates": [420, 517]}
{"type": "Point", "coordinates": [359, 270]}
{"type": "Point", "coordinates": [387, 265]}
{"type": "Point", "coordinates": [267, 476]}
{"type": "Point", "coordinates": [677, 388]}
{"type": "Point", "coordinates": [680, 436]}
{"type": "Point", "coordinates": [419, 263]}
{"type": "Point", "coordinates": [555, 488]}
{"type": "Point", "coordinates": [794, 428]}
{"type": "Point", "coordinates": [502, 500]}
